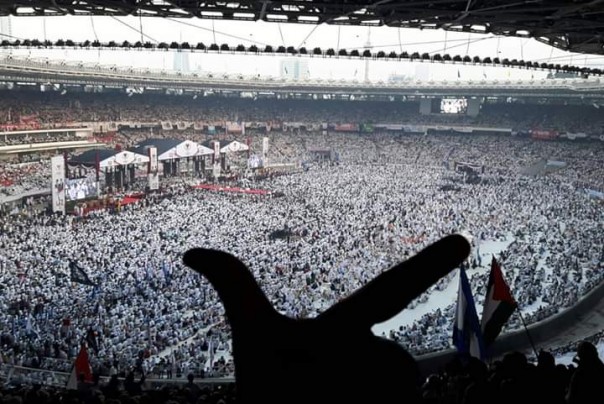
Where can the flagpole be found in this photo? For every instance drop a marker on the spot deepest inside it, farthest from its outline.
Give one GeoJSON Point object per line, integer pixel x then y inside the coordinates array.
{"type": "Point", "coordinates": [528, 334]}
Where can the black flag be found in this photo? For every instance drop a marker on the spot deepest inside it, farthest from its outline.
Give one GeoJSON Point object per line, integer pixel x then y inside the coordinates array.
{"type": "Point", "coordinates": [91, 340]}
{"type": "Point", "coordinates": [78, 275]}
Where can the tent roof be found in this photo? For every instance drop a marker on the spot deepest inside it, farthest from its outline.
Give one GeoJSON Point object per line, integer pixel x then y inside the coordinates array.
{"type": "Point", "coordinates": [162, 145]}
{"type": "Point", "coordinates": [89, 157]}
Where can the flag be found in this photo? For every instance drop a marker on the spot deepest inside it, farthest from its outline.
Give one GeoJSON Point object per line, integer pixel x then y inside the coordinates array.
{"type": "Point", "coordinates": [211, 351]}
{"type": "Point", "coordinates": [498, 305]}
{"type": "Point", "coordinates": [78, 275]}
{"type": "Point", "coordinates": [80, 367]}
{"type": "Point", "coordinates": [91, 340]}
{"type": "Point", "coordinates": [467, 336]}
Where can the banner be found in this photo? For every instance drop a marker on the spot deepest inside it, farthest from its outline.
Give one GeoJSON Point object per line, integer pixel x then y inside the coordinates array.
{"type": "Point", "coordinates": [181, 125]}
{"type": "Point", "coordinates": [58, 183]}
{"type": "Point", "coordinates": [198, 125]}
{"type": "Point", "coordinates": [574, 136]}
{"type": "Point", "coordinates": [216, 150]}
{"type": "Point", "coordinates": [346, 127]}
{"type": "Point", "coordinates": [153, 169]}
{"type": "Point", "coordinates": [264, 147]}
{"type": "Point", "coordinates": [544, 134]}
{"type": "Point", "coordinates": [166, 125]}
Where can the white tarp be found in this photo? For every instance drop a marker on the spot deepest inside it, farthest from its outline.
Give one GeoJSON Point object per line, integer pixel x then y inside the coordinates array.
{"type": "Point", "coordinates": [124, 158]}
{"type": "Point", "coordinates": [234, 147]}
{"type": "Point", "coordinates": [185, 149]}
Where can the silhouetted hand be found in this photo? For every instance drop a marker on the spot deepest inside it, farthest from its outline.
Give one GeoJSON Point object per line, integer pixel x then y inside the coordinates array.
{"type": "Point", "coordinates": [334, 358]}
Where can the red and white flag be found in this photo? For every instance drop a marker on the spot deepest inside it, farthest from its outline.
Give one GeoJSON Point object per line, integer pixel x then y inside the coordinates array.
{"type": "Point", "coordinates": [499, 305]}
{"type": "Point", "coordinates": [80, 367]}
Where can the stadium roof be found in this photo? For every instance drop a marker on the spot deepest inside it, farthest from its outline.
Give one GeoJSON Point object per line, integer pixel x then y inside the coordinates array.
{"type": "Point", "coordinates": [107, 158]}
{"type": "Point", "coordinates": [90, 157]}
{"type": "Point", "coordinates": [162, 145]}
{"type": "Point", "coordinates": [576, 26]}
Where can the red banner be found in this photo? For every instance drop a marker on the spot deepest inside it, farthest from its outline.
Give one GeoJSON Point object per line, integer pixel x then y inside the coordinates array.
{"type": "Point", "coordinates": [544, 134]}
{"type": "Point", "coordinates": [346, 127]}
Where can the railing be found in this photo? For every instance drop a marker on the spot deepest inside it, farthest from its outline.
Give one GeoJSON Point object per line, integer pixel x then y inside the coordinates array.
{"type": "Point", "coordinates": [16, 65]}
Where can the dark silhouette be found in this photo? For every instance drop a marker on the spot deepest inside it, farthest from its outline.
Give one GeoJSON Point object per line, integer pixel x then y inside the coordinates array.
{"type": "Point", "coordinates": [334, 358]}
{"type": "Point", "coordinates": [586, 382]}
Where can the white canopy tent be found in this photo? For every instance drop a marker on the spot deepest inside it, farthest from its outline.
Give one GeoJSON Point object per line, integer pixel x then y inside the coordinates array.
{"type": "Point", "coordinates": [185, 149]}
{"type": "Point", "coordinates": [234, 147]}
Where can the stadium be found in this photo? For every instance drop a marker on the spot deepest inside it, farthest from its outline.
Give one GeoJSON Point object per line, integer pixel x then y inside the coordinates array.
{"type": "Point", "coordinates": [333, 173]}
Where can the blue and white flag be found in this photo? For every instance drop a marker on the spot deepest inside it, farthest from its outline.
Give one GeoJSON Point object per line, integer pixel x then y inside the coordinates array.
{"type": "Point", "coordinates": [467, 335]}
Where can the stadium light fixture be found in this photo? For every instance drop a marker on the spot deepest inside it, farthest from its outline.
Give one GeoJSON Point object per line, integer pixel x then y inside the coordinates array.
{"type": "Point", "coordinates": [367, 54]}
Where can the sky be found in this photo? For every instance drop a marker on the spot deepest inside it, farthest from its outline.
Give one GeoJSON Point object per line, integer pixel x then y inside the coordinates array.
{"type": "Point", "coordinates": [261, 33]}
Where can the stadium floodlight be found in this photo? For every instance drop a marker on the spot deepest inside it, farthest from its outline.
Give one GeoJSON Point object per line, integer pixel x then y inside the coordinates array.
{"type": "Point", "coordinates": [367, 53]}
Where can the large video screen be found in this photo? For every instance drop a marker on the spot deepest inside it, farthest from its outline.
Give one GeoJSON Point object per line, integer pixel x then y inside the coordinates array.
{"type": "Point", "coordinates": [80, 188]}
{"type": "Point", "coordinates": [453, 106]}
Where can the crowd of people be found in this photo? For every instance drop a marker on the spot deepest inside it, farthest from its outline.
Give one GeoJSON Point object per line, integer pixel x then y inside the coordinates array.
{"type": "Point", "coordinates": [346, 220]}
{"type": "Point", "coordinates": [51, 109]}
